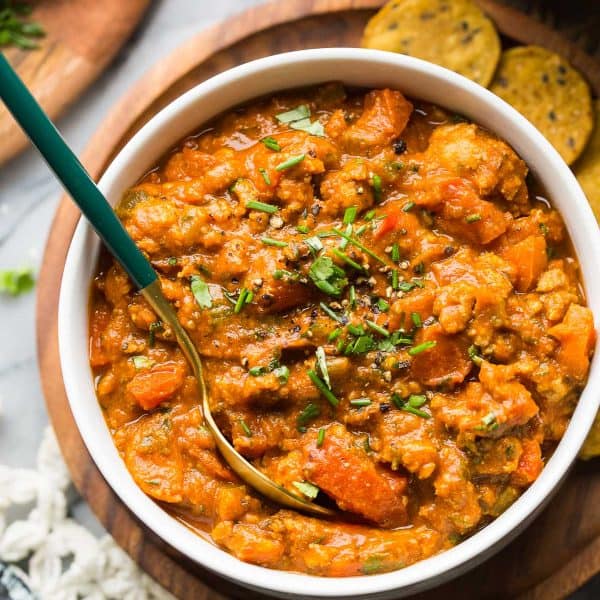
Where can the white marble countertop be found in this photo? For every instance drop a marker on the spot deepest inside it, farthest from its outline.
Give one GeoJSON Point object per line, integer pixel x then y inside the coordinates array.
{"type": "Point", "coordinates": [26, 212]}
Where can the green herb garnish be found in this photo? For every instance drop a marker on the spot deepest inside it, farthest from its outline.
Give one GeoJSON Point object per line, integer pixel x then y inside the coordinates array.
{"type": "Point", "coordinates": [377, 188]}
{"type": "Point", "coordinates": [306, 489]}
{"type": "Point", "coordinates": [473, 218]}
{"type": "Point", "coordinates": [314, 128]}
{"type": "Point", "coordinates": [312, 411]}
{"type": "Point", "coordinates": [320, 437]}
{"type": "Point", "coordinates": [327, 276]}
{"type": "Point", "coordinates": [296, 114]}
{"type": "Point", "coordinates": [262, 206]}
{"type": "Point", "coordinates": [325, 391]}
{"type": "Point", "coordinates": [343, 256]}
{"type": "Point", "coordinates": [395, 253]}
{"type": "Point", "coordinates": [302, 229]}
{"type": "Point", "coordinates": [411, 404]}
{"type": "Point", "coordinates": [290, 162]}
{"type": "Point", "coordinates": [245, 428]}
{"type": "Point", "coordinates": [271, 242]}
{"type": "Point", "coordinates": [154, 327]}
{"type": "Point", "coordinates": [322, 364]}
{"type": "Point", "coordinates": [360, 402]}
{"type": "Point", "coordinates": [350, 215]}
{"type": "Point", "coordinates": [265, 176]}
{"type": "Point", "coordinates": [408, 206]}
{"type": "Point", "coordinates": [331, 313]}
{"type": "Point", "coordinates": [141, 362]}
{"type": "Point", "coordinates": [201, 291]}
{"type": "Point", "coordinates": [359, 245]}
{"type": "Point", "coordinates": [422, 347]}
{"type": "Point", "coordinates": [378, 328]}
{"type": "Point", "coordinates": [271, 144]}
{"type": "Point", "coordinates": [474, 355]}
{"type": "Point", "coordinates": [16, 281]}
{"type": "Point", "coordinates": [416, 319]}
{"type": "Point", "coordinates": [244, 298]}
{"type": "Point", "coordinates": [14, 29]}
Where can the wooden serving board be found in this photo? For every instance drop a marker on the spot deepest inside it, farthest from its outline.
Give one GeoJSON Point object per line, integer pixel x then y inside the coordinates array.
{"type": "Point", "coordinates": [82, 36]}
{"type": "Point", "coordinates": [553, 557]}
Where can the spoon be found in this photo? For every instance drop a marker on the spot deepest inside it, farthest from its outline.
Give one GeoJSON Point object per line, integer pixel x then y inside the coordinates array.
{"type": "Point", "coordinates": [82, 189]}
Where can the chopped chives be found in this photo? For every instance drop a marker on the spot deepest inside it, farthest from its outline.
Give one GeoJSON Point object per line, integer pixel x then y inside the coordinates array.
{"type": "Point", "coordinates": [473, 218]}
{"type": "Point", "coordinates": [352, 297]}
{"type": "Point", "coordinates": [344, 241]}
{"type": "Point", "coordinates": [355, 329]}
{"type": "Point", "coordinates": [334, 335]}
{"type": "Point", "coordinates": [245, 427]}
{"type": "Point", "coordinates": [314, 243]}
{"type": "Point", "coordinates": [306, 489]}
{"type": "Point", "coordinates": [422, 347]}
{"type": "Point", "coordinates": [322, 364]}
{"type": "Point", "coordinates": [361, 230]}
{"type": "Point", "coordinates": [416, 319]}
{"type": "Point", "coordinates": [343, 256]}
{"type": "Point", "coordinates": [370, 215]}
{"type": "Point", "coordinates": [383, 305]}
{"type": "Point", "coordinates": [395, 253]}
{"type": "Point", "coordinates": [408, 206]}
{"type": "Point", "coordinates": [378, 328]}
{"type": "Point", "coordinates": [245, 297]}
{"type": "Point", "coordinates": [310, 412]}
{"type": "Point", "coordinates": [395, 282]}
{"type": "Point", "coordinates": [376, 181]}
{"type": "Point", "coordinates": [271, 242]}
{"type": "Point", "coordinates": [474, 355]}
{"type": "Point", "coordinates": [350, 215]}
{"type": "Point", "coordinates": [262, 206]}
{"type": "Point", "coordinates": [290, 162]}
{"type": "Point", "coordinates": [320, 437]}
{"type": "Point", "coordinates": [361, 402]}
{"type": "Point", "coordinates": [358, 244]}
{"type": "Point", "coordinates": [406, 286]}
{"type": "Point", "coordinates": [320, 385]}
{"type": "Point", "coordinates": [302, 229]}
{"type": "Point", "coordinates": [265, 176]}
{"type": "Point", "coordinates": [328, 311]}
{"type": "Point", "coordinates": [416, 411]}
{"type": "Point", "coordinates": [271, 143]}
{"type": "Point", "coordinates": [416, 400]}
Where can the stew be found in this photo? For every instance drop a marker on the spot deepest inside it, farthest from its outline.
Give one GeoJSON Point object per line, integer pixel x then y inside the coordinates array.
{"type": "Point", "coordinates": [390, 316]}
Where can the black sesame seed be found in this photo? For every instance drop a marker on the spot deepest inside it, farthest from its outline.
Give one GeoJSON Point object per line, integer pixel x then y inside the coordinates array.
{"type": "Point", "coordinates": [552, 115]}
{"type": "Point", "coordinates": [571, 142]}
{"type": "Point", "coordinates": [502, 82]}
{"type": "Point", "coordinates": [393, 26]}
{"type": "Point", "coordinates": [562, 69]}
{"type": "Point", "coordinates": [427, 16]}
{"type": "Point", "coordinates": [561, 81]}
{"type": "Point", "coordinates": [464, 25]}
{"type": "Point", "coordinates": [399, 146]}
{"type": "Point", "coordinates": [545, 77]}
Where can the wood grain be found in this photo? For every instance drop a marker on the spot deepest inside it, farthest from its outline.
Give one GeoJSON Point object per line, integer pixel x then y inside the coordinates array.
{"type": "Point", "coordinates": [551, 558]}
{"type": "Point", "coordinates": [82, 37]}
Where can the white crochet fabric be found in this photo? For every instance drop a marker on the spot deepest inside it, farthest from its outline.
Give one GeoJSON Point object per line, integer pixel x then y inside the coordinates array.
{"type": "Point", "coordinates": [63, 560]}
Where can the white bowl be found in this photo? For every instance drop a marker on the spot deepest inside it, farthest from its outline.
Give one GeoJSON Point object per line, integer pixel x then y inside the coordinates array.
{"type": "Point", "coordinates": [365, 68]}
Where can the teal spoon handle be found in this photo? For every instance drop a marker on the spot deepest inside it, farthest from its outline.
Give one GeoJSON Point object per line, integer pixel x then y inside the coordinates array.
{"type": "Point", "coordinates": [75, 179]}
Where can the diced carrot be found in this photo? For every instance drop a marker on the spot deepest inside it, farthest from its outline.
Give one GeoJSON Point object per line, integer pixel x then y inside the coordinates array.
{"type": "Point", "coordinates": [529, 260]}
{"type": "Point", "coordinates": [447, 362]}
{"type": "Point", "coordinates": [577, 337]}
{"type": "Point", "coordinates": [98, 324]}
{"type": "Point", "coordinates": [465, 215]}
{"type": "Point", "coordinates": [530, 463]}
{"type": "Point", "coordinates": [150, 388]}
{"type": "Point", "coordinates": [351, 478]}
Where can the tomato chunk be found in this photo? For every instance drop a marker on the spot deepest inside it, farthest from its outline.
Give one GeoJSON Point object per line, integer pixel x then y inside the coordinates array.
{"type": "Point", "coordinates": [150, 388]}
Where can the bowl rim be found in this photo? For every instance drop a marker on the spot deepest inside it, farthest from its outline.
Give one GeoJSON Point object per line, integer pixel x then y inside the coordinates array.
{"type": "Point", "coordinates": [425, 573]}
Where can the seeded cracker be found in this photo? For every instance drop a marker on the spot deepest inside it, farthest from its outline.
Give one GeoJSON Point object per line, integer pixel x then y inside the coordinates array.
{"type": "Point", "coordinates": [587, 170]}
{"type": "Point", "coordinates": [544, 87]}
{"type": "Point", "coordinates": [452, 33]}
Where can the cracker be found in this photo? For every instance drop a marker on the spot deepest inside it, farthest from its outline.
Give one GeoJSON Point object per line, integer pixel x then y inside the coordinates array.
{"type": "Point", "coordinates": [587, 171]}
{"type": "Point", "coordinates": [452, 33]}
{"type": "Point", "coordinates": [547, 90]}
{"type": "Point", "coordinates": [591, 446]}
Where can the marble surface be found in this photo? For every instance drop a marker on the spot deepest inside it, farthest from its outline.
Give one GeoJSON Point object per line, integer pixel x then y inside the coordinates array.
{"type": "Point", "coordinates": [26, 211]}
